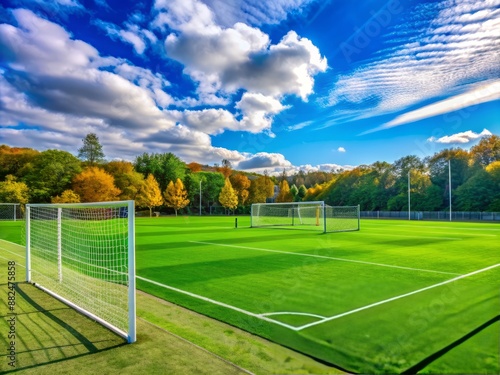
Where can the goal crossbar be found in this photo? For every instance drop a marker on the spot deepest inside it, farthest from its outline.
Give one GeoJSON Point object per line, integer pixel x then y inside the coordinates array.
{"type": "Point", "coordinates": [84, 255]}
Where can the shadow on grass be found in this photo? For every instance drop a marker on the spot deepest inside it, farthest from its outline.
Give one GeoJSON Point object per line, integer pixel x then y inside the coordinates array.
{"type": "Point", "coordinates": [427, 361]}
{"type": "Point", "coordinates": [61, 324]}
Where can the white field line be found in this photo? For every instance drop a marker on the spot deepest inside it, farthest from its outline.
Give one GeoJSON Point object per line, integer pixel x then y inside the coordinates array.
{"type": "Point", "coordinates": [17, 264]}
{"type": "Point", "coordinates": [13, 243]}
{"type": "Point", "coordinates": [324, 257]}
{"type": "Point", "coordinates": [416, 226]}
{"type": "Point", "coordinates": [249, 313]}
{"type": "Point", "coordinates": [415, 236]}
{"type": "Point", "coordinates": [22, 255]}
{"type": "Point", "coordinates": [293, 313]}
{"type": "Point", "coordinates": [453, 233]}
{"type": "Point", "coordinates": [395, 298]}
{"type": "Point", "coordinates": [464, 234]}
{"type": "Point", "coordinates": [17, 255]}
{"type": "Point", "coordinates": [413, 226]}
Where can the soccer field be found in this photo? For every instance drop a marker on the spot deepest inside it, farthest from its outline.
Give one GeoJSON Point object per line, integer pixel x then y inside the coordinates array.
{"type": "Point", "coordinates": [397, 296]}
{"type": "Point", "coordinates": [394, 297]}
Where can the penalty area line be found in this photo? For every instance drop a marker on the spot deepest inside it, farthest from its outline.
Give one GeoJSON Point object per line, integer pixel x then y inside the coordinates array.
{"type": "Point", "coordinates": [218, 303]}
{"type": "Point", "coordinates": [325, 257]}
{"type": "Point", "coordinates": [395, 298]}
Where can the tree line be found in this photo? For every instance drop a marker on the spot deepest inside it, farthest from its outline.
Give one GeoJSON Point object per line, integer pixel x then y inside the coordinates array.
{"type": "Point", "coordinates": [156, 180]}
{"type": "Point", "coordinates": [475, 182]}
{"type": "Point", "coordinates": [153, 180]}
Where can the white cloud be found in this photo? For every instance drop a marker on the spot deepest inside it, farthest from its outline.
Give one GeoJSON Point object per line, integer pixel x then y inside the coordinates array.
{"type": "Point", "coordinates": [134, 39]}
{"type": "Point", "coordinates": [238, 57]}
{"type": "Point", "coordinates": [179, 135]}
{"type": "Point", "coordinates": [306, 168]}
{"type": "Point", "coordinates": [435, 57]}
{"type": "Point", "coordinates": [210, 121]}
{"type": "Point", "coordinates": [61, 75]}
{"type": "Point", "coordinates": [61, 88]}
{"type": "Point", "coordinates": [264, 160]}
{"type": "Point", "coordinates": [341, 149]}
{"type": "Point", "coordinates": [132, 34]}
{"type": "Point", "coordinates": [60, 8]}
{"type": "Point", "coordinates": [483, 93]}
{"type": "Point", "coordinates": [155, 83]}
{"type": "Point", "coordinates": [255, 12]}
{"type": "Point", "coordinates": [65, 89]}
{"type": "Point", "coordinates": [257, 112]}
{"type": "Point", "coordinates": [463, 137]}
{"type": "Point", "coordinates": [300, 125]}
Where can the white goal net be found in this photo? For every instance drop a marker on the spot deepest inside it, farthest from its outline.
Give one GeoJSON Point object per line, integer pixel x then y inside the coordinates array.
{"type": "Point", "coordinates": [84, 255]}
{"type": "Point", "coordinates": [341, 218]}
{"type": "Point", "coordinates": [10, 211]}
{"type": "Point", "coordinates": [307, 215]}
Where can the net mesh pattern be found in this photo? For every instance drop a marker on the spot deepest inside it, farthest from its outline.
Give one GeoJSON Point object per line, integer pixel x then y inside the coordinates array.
{"type": "Point", "coordinates": [81, 254]}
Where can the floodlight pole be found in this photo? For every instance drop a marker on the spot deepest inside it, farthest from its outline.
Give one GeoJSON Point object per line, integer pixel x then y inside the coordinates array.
{"type": "Point", "coordinates": [409, 200]}
{"type": "Point", "coordinates": [200, 197]}
{"type": "Point", "coordinates": [449, 183]}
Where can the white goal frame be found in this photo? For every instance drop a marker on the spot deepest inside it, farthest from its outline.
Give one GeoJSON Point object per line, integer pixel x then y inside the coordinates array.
{"type": "Point", "coordinates": [313, 214]}
{"type": "Point", "coordinates": [120, 284]}
{"type": "Point", "coordinates": [13, 214]}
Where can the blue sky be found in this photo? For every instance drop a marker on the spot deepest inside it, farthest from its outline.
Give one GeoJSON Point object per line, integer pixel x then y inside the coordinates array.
{"type": "Point", "coordinates": [294, 84]}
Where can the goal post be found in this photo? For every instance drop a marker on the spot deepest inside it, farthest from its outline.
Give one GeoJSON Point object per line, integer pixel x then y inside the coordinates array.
{"type": "Point", "coordinates": [10, 211]}
{"type": "Point", "coordinates": [84, 255]}
{"type": "Point", "coordinates": [314, 215]}
{"type": "Point", "coordinates": [286, 214]}
{"type": "Point", "coordinates": [342, 218]}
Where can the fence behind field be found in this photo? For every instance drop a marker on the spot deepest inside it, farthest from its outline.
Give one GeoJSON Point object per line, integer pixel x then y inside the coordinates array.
{"type": "Point", "coordinates": [433, 215]}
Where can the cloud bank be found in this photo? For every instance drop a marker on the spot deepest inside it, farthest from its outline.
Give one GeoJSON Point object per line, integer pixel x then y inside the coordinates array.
{"type": "Point", "coordinates": [61, 88]}
{"type": "Point", "coordinates": [443, 48]}
{"type": "Point", "coordinates": [461, 138]}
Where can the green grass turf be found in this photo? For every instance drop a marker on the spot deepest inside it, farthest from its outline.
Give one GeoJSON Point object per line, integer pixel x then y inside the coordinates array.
{"type": "Point", "coordinates": [287, 271]}
{"type": "Point", "coordinates": [246, 269]}
{"type": "Point", "coordinates": [54, 339]}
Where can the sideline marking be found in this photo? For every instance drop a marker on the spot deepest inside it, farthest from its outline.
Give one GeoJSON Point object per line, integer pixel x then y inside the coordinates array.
{"type": "Point", "coordinates": [416, 237]}
{"type": "Point", "coordinates": [17, 264]}
{"type": "Point", "coordinates": [21, 248]}
{"type": "Point", "coordinates": [249, 313]}
{"type": "Point", "coordinates": [325, 257]}
{"type": "Point", "coordinates": [458, 228]}
{"type": "Point", "coordinates": [429, 226]}
{"type": "Point", "coordinates": [395, 298]}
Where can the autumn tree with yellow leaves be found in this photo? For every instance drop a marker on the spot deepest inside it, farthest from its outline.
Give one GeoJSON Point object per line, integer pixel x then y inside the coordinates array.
{"type": "Point", "coordinates": [95, 185]}
{"type": "Point", "coordinates": [284, 194]}
{"type": "Point", "coordinates": [241, 184]}
{"type": "Point", "coordinates": [228, 197]}
{"type": "Point", "coordinates": [12, 191]}
{"type": "Point", "coordinates": [67, 196]}
{"type": "Point", "coordinates": [149, 194]}
{"type": "Point", "coordinates": [176, 195]}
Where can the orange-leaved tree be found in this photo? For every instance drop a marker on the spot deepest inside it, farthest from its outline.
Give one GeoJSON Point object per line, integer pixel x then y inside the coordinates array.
{"type": "Point", "coordinates": [149, 194]}
{"type": "Point", "coordinates": [240, 184]}
{"type": "Point", "coordinates": [67, 196]}
{"type": "Point", "coordinates": [227, 197]}
{"type": "Point", "coordinates": [260, 189]}
{"type": "Point", "coordinates": [284, 194]}
{"type": "Point", "coordinates": [176, 195]}
{"type": "Point", "coordinates": [94, 184]}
